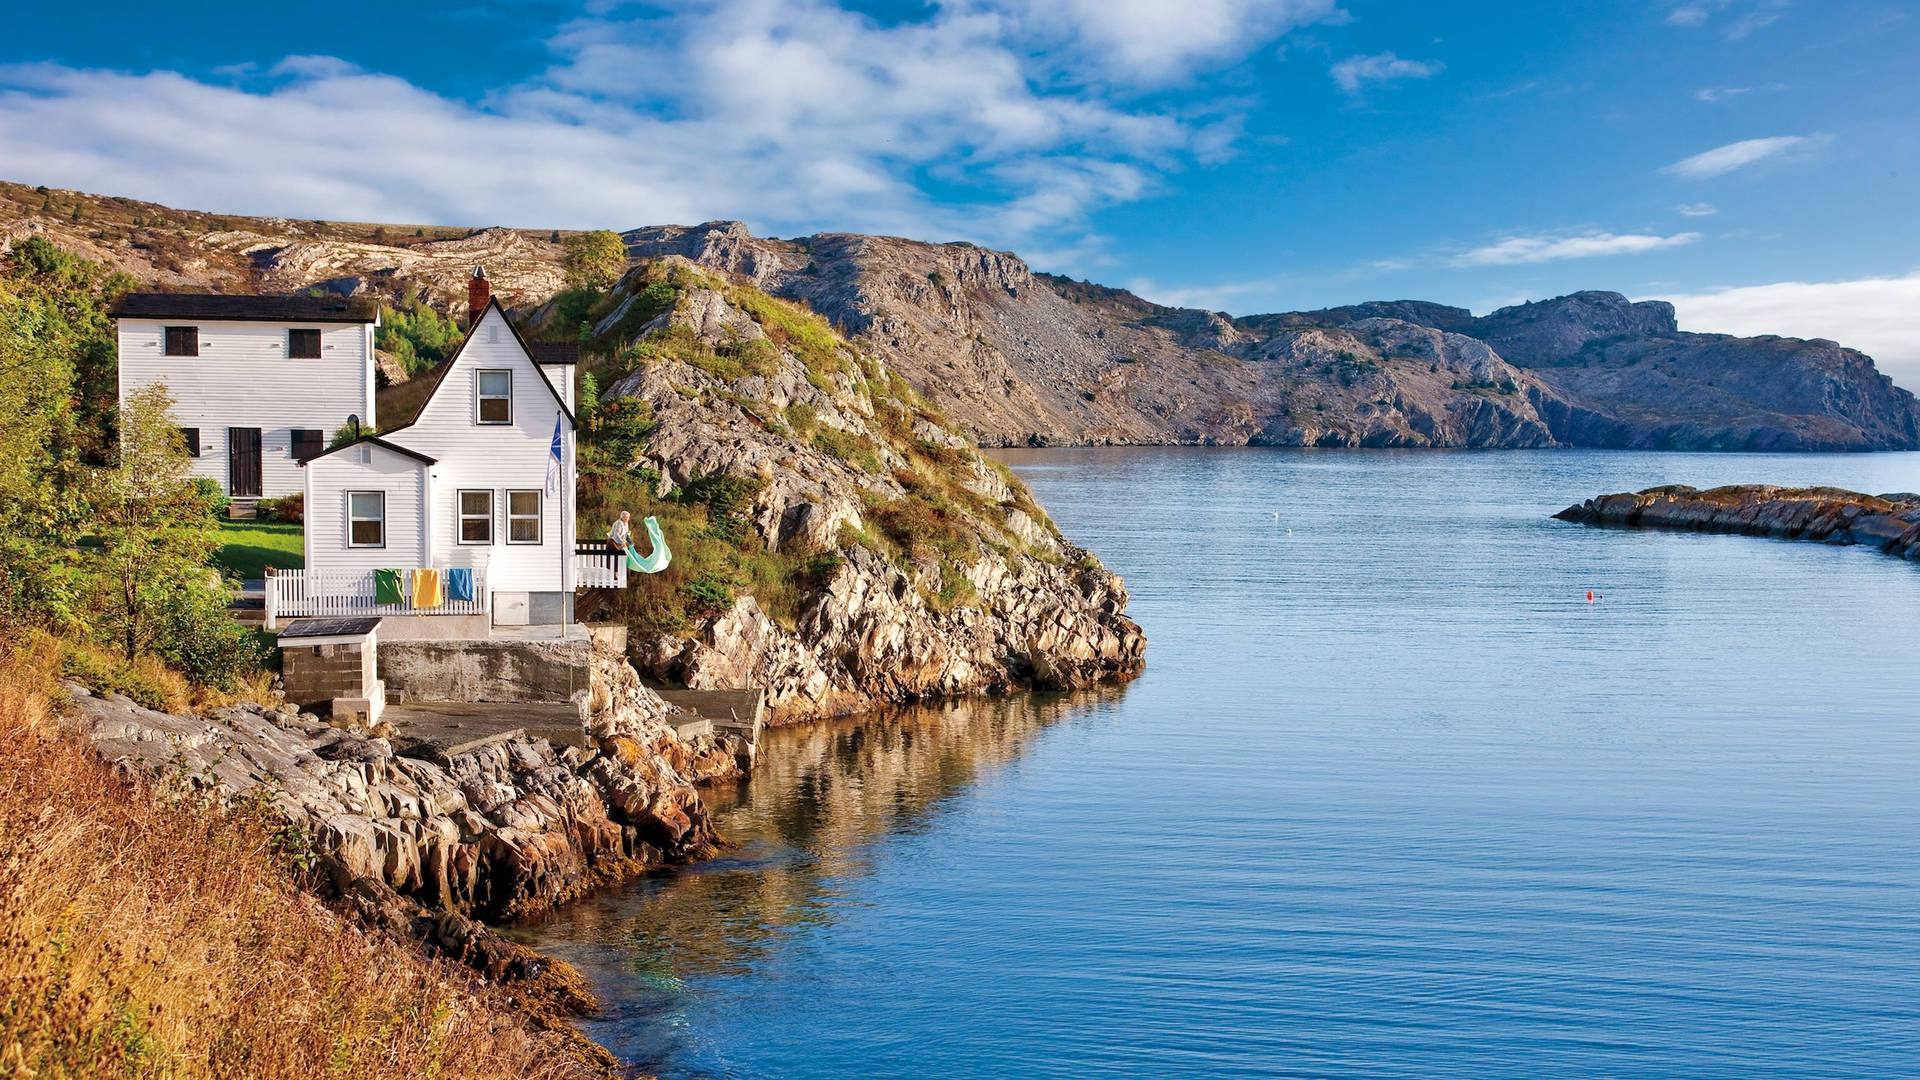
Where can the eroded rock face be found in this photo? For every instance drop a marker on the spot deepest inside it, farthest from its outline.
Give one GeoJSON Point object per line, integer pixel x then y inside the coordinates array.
{"type": "Point", "coordinates": [1032, 610]}
{"type": "Point", "coordinates": [1031, 359]}
{"type": "Point", "coordinates": [1890, 523]}
{"type": "Point", "coordinates": [501, 831]}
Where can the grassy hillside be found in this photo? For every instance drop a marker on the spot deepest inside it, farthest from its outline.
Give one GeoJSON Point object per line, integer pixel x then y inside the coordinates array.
{"type": "Point", "coordinates": [140, 938]}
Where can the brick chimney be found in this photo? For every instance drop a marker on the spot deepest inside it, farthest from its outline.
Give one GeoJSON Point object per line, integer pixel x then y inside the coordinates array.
{"type": "Point", "coordinates": [479, 289]}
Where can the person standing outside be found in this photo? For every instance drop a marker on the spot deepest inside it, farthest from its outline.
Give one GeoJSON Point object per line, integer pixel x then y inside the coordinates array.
{"type": "Point", "coordinates": [620, 533]}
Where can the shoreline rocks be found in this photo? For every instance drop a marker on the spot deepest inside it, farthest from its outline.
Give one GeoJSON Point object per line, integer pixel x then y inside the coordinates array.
{"type": "Point", "coordinates": [1890, 523]}
{"type": "Point", "coordinates": [499, 832]}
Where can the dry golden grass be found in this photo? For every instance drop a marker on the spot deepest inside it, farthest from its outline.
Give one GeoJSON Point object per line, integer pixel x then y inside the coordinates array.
{"type": "Point", "coordinates": [142, 939]}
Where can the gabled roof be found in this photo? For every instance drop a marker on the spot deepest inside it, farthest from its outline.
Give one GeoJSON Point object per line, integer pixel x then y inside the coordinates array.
{"type": "Point", "coordinates": [376, 441]}
{"type": "Point", "coordinates": [440, 374]}
{"type": "Point", "coordinates": [216, 307]}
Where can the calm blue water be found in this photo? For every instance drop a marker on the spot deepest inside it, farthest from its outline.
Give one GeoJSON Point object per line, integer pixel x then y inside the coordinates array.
{"type": "Point", "coordinates": [1392, 800]}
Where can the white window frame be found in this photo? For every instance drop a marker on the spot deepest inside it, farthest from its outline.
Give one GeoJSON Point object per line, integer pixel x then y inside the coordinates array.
{"type": "Point", "coordinates": [538, 517]}
{"type": "Point", "coordinates": [353, 519]}
{"type": "Point", "coordinates": [461, 517]}
{"type": "Point", "coordinates": [480, 400]}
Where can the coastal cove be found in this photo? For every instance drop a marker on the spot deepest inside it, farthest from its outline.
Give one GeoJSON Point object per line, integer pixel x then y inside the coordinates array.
{"type": "Point", "coordinates": [1391, 799]}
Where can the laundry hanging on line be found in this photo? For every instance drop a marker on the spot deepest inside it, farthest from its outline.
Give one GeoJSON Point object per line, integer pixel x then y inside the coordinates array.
{"type": "Point", "coordinates": [655, 561]}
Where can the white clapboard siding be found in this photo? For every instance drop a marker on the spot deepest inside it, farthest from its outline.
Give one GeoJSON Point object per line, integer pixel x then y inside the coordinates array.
{"type": "Point", "coordinates": [496, 457]}
{"type": "Point", "coordinates": [366, 467]}
{"type": "Point", "coordinates": [244, 379]}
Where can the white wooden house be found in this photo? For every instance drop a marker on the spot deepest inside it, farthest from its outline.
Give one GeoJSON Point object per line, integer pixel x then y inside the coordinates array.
{"type": "Point", "coordinates": [481, 479]}
{"type": "Point", "coordinates": [259, 382]}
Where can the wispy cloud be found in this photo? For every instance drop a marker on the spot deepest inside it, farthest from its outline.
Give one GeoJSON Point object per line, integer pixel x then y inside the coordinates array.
{"type": "Point", "coordinates": [1356, 72]}
{"type": "Point", "coordinates": [1874, 315]}
{"type": "Point", "coordinates": [1736, 18]}
{"type": "Point", "coordinates": [988, 119]}
{"type": "Point", "coordinates": [1725, 159]}
{"type": "Point", "coordinates": [1520, 250]}
{"type": "Point", "coordinates": [1697, 209]}
{"type": "Point", "coordinates": [1713, 95]}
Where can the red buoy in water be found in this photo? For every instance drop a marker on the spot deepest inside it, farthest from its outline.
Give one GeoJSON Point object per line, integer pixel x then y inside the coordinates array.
{"type": "Point", "coordinates": [1589, 596]}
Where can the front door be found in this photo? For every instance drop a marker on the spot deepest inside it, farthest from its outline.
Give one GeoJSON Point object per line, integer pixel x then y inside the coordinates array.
{"type": "Point", "coordinates": [243, 462]}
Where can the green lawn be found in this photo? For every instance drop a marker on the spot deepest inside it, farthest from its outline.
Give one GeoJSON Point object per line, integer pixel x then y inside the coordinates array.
{"type": "Point", "coordinates": [248, 547]}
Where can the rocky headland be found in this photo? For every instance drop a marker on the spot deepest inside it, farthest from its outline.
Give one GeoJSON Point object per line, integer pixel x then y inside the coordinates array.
{"type": "Point", "coordinates": [433, 846]}
{"type": "Point", "coordinates": [1889, 523]}
{"type": "Point", "coordinates": [884, 559]}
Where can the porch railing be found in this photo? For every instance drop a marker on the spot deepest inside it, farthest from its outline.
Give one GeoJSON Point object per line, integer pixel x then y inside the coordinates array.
{"type": "Point", "coordinates": [596, 566]}
{"type": "Point", "coordinates": [297, 593]}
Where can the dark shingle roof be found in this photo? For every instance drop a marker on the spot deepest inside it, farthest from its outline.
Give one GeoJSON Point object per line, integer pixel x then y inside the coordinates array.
{"type": "Point", "coordinates": [329, 627]}
{"type": "Point", "coordinates": [374, 440]}
{"type": "Point", "coordinates": [217, 307]}
{"type": "Point", "coordinates": [554, 352]}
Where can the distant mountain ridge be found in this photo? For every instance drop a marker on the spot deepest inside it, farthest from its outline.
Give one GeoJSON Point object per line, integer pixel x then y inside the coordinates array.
{"type": "Point", "coordinates": [1032, 358]}
{"type": "Point", "coordinates": [1025, 358]}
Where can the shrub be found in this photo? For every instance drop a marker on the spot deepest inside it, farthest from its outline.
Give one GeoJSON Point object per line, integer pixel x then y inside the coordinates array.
{"type": "Point", "coordinates": [288, 509]}
{"type": "Point", "coordinates": [218, 503]}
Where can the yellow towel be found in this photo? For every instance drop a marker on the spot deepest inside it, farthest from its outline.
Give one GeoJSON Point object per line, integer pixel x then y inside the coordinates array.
{"type": "Point", "coordinates": [426, 589]}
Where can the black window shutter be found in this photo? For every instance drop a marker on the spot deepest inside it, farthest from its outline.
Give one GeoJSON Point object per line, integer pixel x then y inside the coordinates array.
{"type": "Point", "coordinates": [307, 443]}
{"type": "Point", "coordinates": [192, 437]}
{"type": "Point", "coordinates": [303, 344]}
{"type": "Point", "coordinates": [183, 341]}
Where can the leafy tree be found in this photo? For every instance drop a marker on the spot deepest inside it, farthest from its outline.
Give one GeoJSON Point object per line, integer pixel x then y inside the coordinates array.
{"type": "Point", "coordinates": [595, 260]}
{"type": "Point", "coordinates": [417, 335]}
{"type": "Point", "coordinates": [156, 535]}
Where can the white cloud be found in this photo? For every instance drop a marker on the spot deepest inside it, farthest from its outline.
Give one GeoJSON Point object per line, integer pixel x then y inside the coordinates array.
{"type": "Point", "coordinates": [1698, 209]}
{"type": "Point", "coordinates": [1154, 41]}
{"type": "Point", "coordinates": [1725, 159]}
{"type": "Point", "coordinates": [1744, 16]}
{"type": "Point", "coordinates": [794, 115]}
{"type": "Point", "coordinates": [1713, 95]}
{"type": "Point", "coordinates": [1874, 315]}
{"type": "Point", "coordinates": [1518, 250]}
{"type": "Point", "coordinates": [1356, 71]}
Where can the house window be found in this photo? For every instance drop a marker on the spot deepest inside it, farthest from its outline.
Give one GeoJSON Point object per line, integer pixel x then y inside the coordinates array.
{"type": "Point", "coordinates": [308, 443]}
{"type": "Point", "coordinates": [496, 397]}
{"type": "Point", "coordinates": [523, 517]}
{"type": "Point", "coordinates": [183, 341]}
{"type": "Point", "coordinates": [303, 344]}
{"type": "Point", "coordinates": [191, 436]}
{"type": "Point", "coordinates": [366, 519]}
{"type": "Point", "coordinates": [476, 517]}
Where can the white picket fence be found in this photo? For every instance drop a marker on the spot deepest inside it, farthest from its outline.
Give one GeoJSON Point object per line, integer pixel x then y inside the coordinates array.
{"type": "Point", "coordinates": [296, 593]}
{"type": "Point", "coordinates": [595, 567]}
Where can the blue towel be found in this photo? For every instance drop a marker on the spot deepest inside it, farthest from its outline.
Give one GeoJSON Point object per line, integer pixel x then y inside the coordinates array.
{"type": "Point", "coordinates": [460, 584]}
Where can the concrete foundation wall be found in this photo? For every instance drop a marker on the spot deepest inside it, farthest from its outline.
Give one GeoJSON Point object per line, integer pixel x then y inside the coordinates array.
{"type": "Point", "coordinates": [486, 670]}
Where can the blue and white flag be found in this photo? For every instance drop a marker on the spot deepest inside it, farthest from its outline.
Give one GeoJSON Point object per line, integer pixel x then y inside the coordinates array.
{"type": "Point", "coordinates": [553, 460]}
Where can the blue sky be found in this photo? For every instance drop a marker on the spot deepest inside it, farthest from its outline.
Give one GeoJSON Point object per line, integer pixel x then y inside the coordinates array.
{"type": "Point", "coordinates": [1753, 159]}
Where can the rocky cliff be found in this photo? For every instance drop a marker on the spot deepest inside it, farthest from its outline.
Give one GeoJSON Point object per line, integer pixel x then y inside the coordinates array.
{"type": "Point", "coordinates": [1021, 358]}
{"type": "Point", "coordinates": [1890, 523]}
{"type": "Point", "coordinates": [836, 542]}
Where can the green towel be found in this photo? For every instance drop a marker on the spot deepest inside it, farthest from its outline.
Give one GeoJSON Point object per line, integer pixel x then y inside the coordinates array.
{"type": "Point", "coordinates": [660, 557]}
{"type": "Point", "coordinates": [386, 587]}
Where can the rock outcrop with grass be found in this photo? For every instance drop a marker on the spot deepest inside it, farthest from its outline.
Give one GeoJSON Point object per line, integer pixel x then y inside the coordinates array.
{"type": "Point", "coordinates": [1890, 523]}
{"type": "Point", "coordinates": [500, 831]}
{"type": "Point", "coordinates": [836, 542]}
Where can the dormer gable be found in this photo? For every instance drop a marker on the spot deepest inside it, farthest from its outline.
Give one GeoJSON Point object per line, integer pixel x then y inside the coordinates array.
{"type": "Point", "coordinates": [489, 380]}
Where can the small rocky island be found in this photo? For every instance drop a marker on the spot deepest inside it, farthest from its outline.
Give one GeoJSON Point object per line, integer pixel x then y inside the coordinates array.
{"type": "Point", "coordinates": [1827, 515]}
